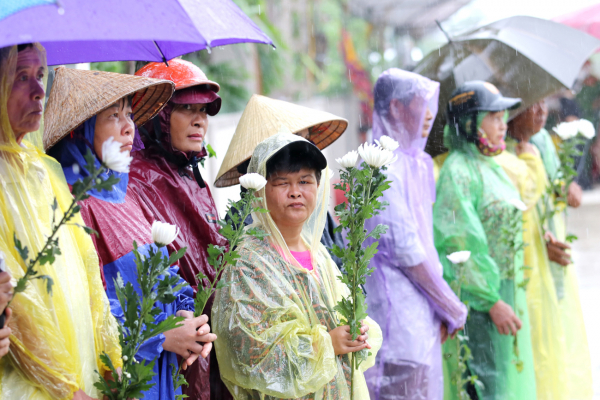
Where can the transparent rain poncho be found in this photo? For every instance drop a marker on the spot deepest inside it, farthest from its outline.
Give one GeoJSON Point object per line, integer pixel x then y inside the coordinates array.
{"type": "Point", "coordinates": [407, 294]}
{"type": "Point", "coordinates": [472, 212]}
{"type": "Point", "coordinates": [273, 319]}
{"type": "Point", "coordinates": [56, 339]}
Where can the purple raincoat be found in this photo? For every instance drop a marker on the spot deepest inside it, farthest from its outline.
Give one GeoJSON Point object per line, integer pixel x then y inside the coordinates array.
{"type": "Point", "coordinates": [407, 294]}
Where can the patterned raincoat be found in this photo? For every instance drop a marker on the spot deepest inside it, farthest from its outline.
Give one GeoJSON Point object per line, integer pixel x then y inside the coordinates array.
{"type": "Point", "coordinates": [274, 317]}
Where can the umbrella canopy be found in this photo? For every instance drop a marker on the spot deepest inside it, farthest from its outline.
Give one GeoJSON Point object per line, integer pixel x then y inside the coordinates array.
{"type": "Point", "coordinates": [524, 57]}
{"type": "Point", "coordinates": [116, 30]}
{"type": "Point", "coordinates": [586, 20]}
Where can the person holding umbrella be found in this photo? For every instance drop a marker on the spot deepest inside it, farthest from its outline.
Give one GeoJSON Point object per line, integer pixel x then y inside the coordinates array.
{"type": "Point", "coordinates": [86, 109]}
{"type": "Point", "coordinates": [165, 177]}
{"type": "Point", "coordinates": [478, 210]}
{"type": "Point", "coordinates": [57, 338]}
{"type": "Point", "coordinates": [416, 308]}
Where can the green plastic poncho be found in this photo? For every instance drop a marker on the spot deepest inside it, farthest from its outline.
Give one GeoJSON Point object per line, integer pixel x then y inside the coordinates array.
{"type": "Point", "coordinates": [273, 319]}
{"type": "Point", "coordinates": [474, 207]}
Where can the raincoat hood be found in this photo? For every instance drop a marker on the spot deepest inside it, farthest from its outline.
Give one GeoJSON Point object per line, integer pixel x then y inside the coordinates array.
{"type": "Point", "coordinates": [416, 94]}
{"type": "Point", "coordinates": [313, 227]}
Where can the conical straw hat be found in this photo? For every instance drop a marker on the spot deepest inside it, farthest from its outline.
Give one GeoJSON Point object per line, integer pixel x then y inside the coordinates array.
{"type": "Point", "coordinates": [78, 95]}
{"type": "Point", "coordinates": [263, 117]}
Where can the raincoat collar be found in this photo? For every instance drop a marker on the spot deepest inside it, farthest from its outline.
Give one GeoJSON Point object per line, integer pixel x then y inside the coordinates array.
{"type": "Point", "coordinates": [70, 152]}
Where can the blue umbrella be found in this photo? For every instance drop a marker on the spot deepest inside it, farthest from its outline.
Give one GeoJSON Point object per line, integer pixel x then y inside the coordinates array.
{"type": "Point", "coordinates": [74, 31]}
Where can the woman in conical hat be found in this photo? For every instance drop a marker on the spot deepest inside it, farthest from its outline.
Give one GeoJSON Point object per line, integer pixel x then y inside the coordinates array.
{"type": "Point", "coordinates": [262, 118]}
{"type": "Point", "coordinates": [279, 335]}
{"type": "Point", "coordinates": [57, 339]}
{"type": "Point", "coordinates": [165, 177]}
{"type": "Point", "coordinates": [101, 107]}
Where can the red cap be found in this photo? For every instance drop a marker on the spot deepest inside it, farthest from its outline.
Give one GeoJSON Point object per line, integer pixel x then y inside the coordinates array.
{"type": "Point", "coordinates": [196, 95]}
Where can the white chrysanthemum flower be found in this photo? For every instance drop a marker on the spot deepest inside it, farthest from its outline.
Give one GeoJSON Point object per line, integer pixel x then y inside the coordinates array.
{"type": "Point", "coordinates": [519, 205]}
{"type": "Point", "coordinates": [163, 234]}
{"type": "Point", "coordinates": [113, 157]}
{"type": "Point", "coordinates": [586, 128]}
{"type": "Point", "coordinates": [459, 257]}
{"type": "Point", "coordinates": [253, 181]}
{"type": "Point", "coordinates": [349, 160]}
{"type": "Point", "coordinates": [386, 142]}
{"type": "Point", "coordinates": [567, 130]}
{"type": "Point", "coordinates": [375, 156]}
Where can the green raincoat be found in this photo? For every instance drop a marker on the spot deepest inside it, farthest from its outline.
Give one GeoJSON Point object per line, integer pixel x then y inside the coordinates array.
{"type": "Point", "coordinates": [473, 211]}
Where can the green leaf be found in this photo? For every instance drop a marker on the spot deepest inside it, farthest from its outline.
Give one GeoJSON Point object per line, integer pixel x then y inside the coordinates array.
{"type": "Point", "coordinates": [211, 151]}
{"type": "Point", "coordinates": [200, 300]}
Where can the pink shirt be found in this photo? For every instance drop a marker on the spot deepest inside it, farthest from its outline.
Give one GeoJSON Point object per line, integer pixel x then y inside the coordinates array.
{"type": "Point", "coordinates": [303, 257]}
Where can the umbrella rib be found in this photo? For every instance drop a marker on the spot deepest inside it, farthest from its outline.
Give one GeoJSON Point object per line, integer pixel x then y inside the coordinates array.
{"type": "Point", "coordinates": [161, 53]}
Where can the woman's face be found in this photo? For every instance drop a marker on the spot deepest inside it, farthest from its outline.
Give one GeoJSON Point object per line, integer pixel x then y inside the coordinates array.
{"type": "Point", "coordinates": [291, 197]}
{"type": "Point", "coordinates": [25, 103]}
{"type": "Point", "coordinates": [117, 122]}
{"type": "Point", "coordinates": [189, 123]}
{"type": "Point", "coordinates": [408, 115]}
{"type": "Point", "coordinates": [427, 122]}
{"type": "Point", "coordinates": [494, 126]}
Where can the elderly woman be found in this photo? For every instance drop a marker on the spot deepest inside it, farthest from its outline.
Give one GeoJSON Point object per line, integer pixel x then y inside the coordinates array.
{"type": "Point", "coordinates": [407, 293]}
{"type": "Point", "coordinates": [279, 336]}
{"type": "Point", "coordinates": [165, 176]}
{"type": "Point", "coordinates": [119, 218]}
{"type": "Point", "coordinates": [57, 339]}
{"type": "Point", "coordinates": [478, 209]}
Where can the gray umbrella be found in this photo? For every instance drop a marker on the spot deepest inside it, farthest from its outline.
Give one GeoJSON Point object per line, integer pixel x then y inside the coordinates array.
{"type": "Point", "coordinates": [524, 57]}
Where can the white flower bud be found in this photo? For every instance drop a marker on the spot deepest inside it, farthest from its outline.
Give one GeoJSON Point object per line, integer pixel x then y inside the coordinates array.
{"type": "Point", "coordinates": [375, 156]}
{"type": "Point", "coordinates": [459, 257]}
{"type": "Point", "coordinates": [387, 143]}
{"type": "Point", "coordinates": [253, 181]}
{"type": "Point", "coordinates": [519, 205]}
{"type": "Point", "coordinates": [349, 160]}
{"type": "Point", "coordinates": [114, 158]}
{"type": "Point", "coordinates": [163, 234]}
{"type": "Point", "coordinates": [125, 358]}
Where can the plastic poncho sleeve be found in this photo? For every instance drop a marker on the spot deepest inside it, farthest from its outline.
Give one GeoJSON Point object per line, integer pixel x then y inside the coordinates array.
{"type": "Point", "coordinates": [273, 347]}
{"type": "Point", "coordinates": [406, 251]}
{"type": "Point", "coordinates": [458, 227]}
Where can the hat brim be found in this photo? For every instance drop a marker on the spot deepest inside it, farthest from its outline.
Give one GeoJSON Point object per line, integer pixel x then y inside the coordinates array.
{"type": "Point", "coordinates": [504, 103]}
{"type": "Point", "coordinates": [307, 147]}
{"type": "Point", "coordinates": [78, 95]}
{"type": "Point", "coordinates": [190, 96]}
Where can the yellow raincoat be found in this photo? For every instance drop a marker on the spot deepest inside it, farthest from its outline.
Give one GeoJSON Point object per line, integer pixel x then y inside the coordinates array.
{"type": "Point", "coordinates": [558, 376]}
{"type": "Point", "coordinates": [274, 318]}
{"type": "Point", "coordinates": [56, 339]}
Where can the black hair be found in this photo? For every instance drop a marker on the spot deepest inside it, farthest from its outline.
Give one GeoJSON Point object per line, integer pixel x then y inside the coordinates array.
{"type": "Point", "coordinates": [24, 46]}
{"type": "Point", "coordinates": [569, 107]}
{"type": "Point", "coordinates": [243, 167]}
{"type": "Point", "coordinates": [294, 158]}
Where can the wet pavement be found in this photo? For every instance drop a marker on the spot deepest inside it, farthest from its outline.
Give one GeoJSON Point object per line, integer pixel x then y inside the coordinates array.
{"type": "Point", "coordinates": [585, 223]}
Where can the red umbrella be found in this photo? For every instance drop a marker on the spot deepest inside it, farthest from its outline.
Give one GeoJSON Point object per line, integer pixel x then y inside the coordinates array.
{"type": "Point", "coordinates": [586, 20]}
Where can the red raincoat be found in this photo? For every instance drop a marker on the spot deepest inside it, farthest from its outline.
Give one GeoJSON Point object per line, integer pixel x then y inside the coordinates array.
{"type": "Point", "coordinates": [175, 197]}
